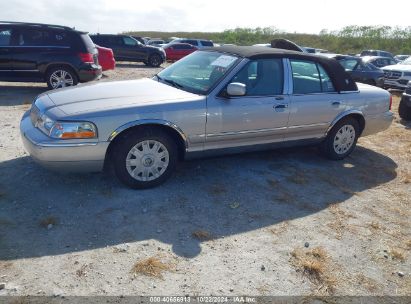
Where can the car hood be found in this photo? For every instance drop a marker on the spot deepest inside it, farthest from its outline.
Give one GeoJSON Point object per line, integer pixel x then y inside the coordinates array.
{"type": "Point", "coordinates": [398, 67]}
{"type": "Point", "coordinates": [114, 95]}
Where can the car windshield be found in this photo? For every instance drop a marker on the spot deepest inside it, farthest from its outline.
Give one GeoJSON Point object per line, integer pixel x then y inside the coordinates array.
{"type": "Point", "coordinates": [406, 61]}
{"type": "Point", "coordinates": [348, 63]}
{"type": "Point", "coordinates": [199, 72]}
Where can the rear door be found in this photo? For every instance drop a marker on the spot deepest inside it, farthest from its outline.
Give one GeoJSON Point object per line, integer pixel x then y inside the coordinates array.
{"type": "Point", "coordinates": [314, 101]}
{"type": "Point", "coordinates": [6, 53]}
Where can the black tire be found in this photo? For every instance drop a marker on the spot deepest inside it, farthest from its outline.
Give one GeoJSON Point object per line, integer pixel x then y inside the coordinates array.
{"type": "Point", "coordinates": [404, 109]}
{"type": "Point", "coordinates": [60, 70]}
{"type": "Point", "coordinates": [155, 60]}
{"type": "Point", "coordinates": [131, 141]}
{"type": "Point", "coordinates": [329, 146]}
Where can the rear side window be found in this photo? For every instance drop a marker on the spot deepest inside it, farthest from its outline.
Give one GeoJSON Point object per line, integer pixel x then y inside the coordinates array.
{"type": "Point", "coordinates": [5, 37]}
{"type": "Point", "coordinates": [37, 37]}
{"type": "Point", "coordinates": [88, 42]}
{"type": "Point", "coordinates": [207, 43]}
{"type": "Point", "coordinates": [57, 39]}
{"type": "Point", "coordinates": [310, 77]}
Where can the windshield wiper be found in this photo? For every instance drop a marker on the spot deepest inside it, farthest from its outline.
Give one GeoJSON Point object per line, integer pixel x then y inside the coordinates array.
{"type": "Point", "coordinates": [172, 82]}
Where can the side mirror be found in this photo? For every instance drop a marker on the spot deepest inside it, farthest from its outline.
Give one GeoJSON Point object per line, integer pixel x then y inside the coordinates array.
{"type": "Point", "coordinates": [236, 89]}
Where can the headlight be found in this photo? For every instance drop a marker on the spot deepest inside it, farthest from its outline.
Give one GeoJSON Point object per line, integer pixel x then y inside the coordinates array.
{"type": "Point", "coordinates": [66, 130]}
{"type": "Point", "coordinates": [70, 130]}
{"type": "Point", "coordinates": [407, 74]}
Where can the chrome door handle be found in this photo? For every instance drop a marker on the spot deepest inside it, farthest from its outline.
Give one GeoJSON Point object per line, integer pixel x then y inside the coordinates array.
{"type": "Point", "coordinates": [336, 103]}
{"type": "Point", "coordinates": [279, 98]}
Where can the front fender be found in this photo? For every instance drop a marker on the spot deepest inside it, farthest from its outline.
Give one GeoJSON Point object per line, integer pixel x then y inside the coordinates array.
{"type": "Point", "coordinates": [142, 122]}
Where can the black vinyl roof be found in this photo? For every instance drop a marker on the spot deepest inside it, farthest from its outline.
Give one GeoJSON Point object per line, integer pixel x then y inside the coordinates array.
{"type": "Point", "coordinates": [251, 51]}
{"type": "Point", "coordinates": [341, 79]}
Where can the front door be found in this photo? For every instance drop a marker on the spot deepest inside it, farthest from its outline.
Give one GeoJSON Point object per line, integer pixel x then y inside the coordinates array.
{"type": "Point", "coordinates": [258, 117]}
{"type": "Point", "coordinates": [132, 49]}
{"type": "Point", "coordinates": [314, 101]}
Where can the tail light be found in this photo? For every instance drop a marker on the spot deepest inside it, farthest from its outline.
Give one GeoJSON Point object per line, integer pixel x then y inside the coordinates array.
{"type": "Point", "coordinates": [86, 57]}
{"type": "Point", "coordinates": [390, 102]}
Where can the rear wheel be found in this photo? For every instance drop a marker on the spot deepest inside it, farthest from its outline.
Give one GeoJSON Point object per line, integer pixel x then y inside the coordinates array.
{"type": "Point", "coordinates": [145, 159]}
{"type": "Point", "coordinates": [404, 110]}
{"type": "Point", "coordinates": [60, 77]}
{"type": "Point", "coordinates": [154, 60]}
{"type": "Point", "coordinates": [342, 139]}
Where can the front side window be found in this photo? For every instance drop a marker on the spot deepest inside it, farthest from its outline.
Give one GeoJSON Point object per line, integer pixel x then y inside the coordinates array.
{"type": "Point", "coordinates": [310, 77]}
{"type": "Point", "coordinates": [5, 37]}
{"type": "Point", "coordinates": [199, 71]}
{"type": "Point", "coordinates": [262, 77]}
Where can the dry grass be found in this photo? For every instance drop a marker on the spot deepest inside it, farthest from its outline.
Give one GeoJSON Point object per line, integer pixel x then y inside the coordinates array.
{"type": "Point", "coordinates": [397, 254]}
{"type": "Point", "coordinates": [408, 244]}
{"type": "Point", "coordinates": [216, 189]}
{"type": "Point", "coordinates": [202, 235]}
{"type": "Point", "coordinates": [280, 228]}
{"type": "Point", "coordinates": [406, 177]}
{"type": "Point", "coordinates": [50, 220]}
{"type": "Point", "coordinates": [82, 272]}
{"type": "Point", "coordinates": [283, 197]}
{"type": "Point", "coordinates": [375, 226]}
{"type": "Point", "coordinates": [152, 267]}
{"type": "Point", "coordinates": [340, 222]}
{"type": "Point", "coordinates": [315, 265]}
{"type": "Point", "coordinates": [366, 282]}
{"type": "Point", "coordinates": [298, 178]}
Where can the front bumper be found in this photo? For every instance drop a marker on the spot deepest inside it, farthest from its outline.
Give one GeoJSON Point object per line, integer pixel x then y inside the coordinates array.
{"type": "Point", "coordinates": [377, 123]}
{"type": "Point", "coordinates": [396, 84]}
{"type": "Point", "coordinates": [61, 155]}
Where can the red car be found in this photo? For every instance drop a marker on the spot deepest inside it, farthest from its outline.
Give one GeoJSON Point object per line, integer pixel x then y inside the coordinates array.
{"type": "Point", "coordinates": [176, 51]}
{"type": "Point", "coordinates": [106, 58]}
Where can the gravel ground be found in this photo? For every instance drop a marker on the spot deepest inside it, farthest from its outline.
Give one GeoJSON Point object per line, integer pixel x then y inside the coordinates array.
{"type": "Point", "coordinates": [284, 222]}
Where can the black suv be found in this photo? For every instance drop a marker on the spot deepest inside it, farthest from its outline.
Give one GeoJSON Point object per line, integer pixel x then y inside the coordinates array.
{"type": "Point", "coordinates": [58, 55]}
{"type": "Point", "coordinates": [126, 48]}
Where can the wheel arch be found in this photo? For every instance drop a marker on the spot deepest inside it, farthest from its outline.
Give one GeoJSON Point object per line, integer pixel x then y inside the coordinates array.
{"type": "Point", "coordinates": [356, 114]}
{"type": "Point", "coordinates": [59, 64]}
{"type": "Point", "coordinates": [169, 128]}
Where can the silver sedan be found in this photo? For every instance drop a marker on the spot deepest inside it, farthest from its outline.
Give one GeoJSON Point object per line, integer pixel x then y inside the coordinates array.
{"type": "Point", "coordinates": [214, 101]}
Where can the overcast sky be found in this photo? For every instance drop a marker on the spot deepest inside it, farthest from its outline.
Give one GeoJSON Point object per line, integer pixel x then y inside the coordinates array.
{"type": "Point", "coordinates": [113, 16]}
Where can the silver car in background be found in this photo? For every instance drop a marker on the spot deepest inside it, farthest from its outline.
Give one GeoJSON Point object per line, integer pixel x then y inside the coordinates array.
{"type": "Point", "coordinates": [214, 101]}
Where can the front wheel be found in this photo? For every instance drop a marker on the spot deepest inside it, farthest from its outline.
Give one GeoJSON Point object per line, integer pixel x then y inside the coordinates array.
{"type": "Point", "coordinates": [145, 159]}
{"type": "Point", "coordinates": [342, 139]}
